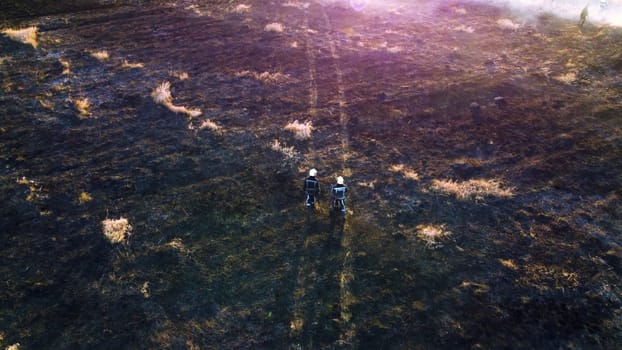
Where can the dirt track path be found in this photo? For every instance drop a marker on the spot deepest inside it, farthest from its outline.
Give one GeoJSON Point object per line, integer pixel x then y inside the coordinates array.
{"type": "Point", "coordinates": [307, 325]}
{"type": "Point", "coordinates": [348, 331]}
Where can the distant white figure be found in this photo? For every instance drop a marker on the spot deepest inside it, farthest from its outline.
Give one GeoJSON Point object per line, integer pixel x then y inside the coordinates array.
{"type": "Point", "coordinates": [604, 4]}
{"type": "Point", "coordinates": [583, 16]}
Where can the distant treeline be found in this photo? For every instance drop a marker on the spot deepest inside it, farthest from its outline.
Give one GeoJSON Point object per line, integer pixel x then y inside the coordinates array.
{"type": "Point", "coordinates": [10, 9]}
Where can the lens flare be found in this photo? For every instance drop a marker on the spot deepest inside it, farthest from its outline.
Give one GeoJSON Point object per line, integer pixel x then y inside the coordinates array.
{"type": "Point", "coordinates": [358, 5]}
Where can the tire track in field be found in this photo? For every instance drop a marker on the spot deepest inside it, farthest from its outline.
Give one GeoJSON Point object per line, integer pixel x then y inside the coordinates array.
{"type": "Point", "coordinates": [311, 302]}
{"type": "Point", "coordinates": [347, 335]}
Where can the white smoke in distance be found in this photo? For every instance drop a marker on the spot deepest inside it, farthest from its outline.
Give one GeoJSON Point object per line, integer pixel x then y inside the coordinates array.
{"type": "Point", "coordinates": [600, 11]}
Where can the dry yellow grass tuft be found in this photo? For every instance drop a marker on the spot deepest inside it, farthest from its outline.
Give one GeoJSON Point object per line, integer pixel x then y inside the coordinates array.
{"type": "Point", "coordinates": [178, 245]}
{"type": "Point", "coordinates": [265, 77]}
{"type": "Point", "coordinates": [15, 346]}
{"type": "Point", "coordinates": [300, 6]}
{"type": "Point", "coordinates": [65, 65]}
{"type": "Point", "coordinates": [84, 197]}
{"type": "Point", "coordinates": [432, 235]}
{"type": "Point", "coordinates": [301, 131]}
{"type": "Point", "coordinates": [179, 75]}
{"type": "Point", "coordinates": [184, 110]}
{"type": "Point", "coordinates": [472, 189]}
{"type": "Point", "coordinates": [506, 23]}
{"type": "Point", "coordinates": [274, 27]}
{"type": "Point", "coordinates": [288, 152]}
{"type": "Point", "coordinates": [395, 49]}
{"type": "Point", "coordinates": [405, 171]}
{"type": "Point", "coordinates": [567, 78]}
{"type": "Point", "coordinates": [242, 8]}
{"type": "Point", "coordinates": [100, 55]}
{"type": "Point", "coordinates": [463, 28]}
{"type": "Point", "coordinates": [117, 230]}
{"type": "Point", "coordinates": [475, 287]}
{"type": "Point", "coordinates": [296, 324]}
{"type": "Point", "coordinates": [26, 36]}
{"type": "Point", "coordinates": [145, 290]}
{"type": "Point", "coordinates": [83, 106]}
{"type": "Point", "coordinates": [546, 277]}
{"type": "Point", "coordinates": [509, 263]}
{"type": "Point", "coordinates": [208, 124]}
{"type": "Point", "coordinates": [126, 64]}
{"type": "Point", "coordinates": [34, 189]}
{"type": "Point", "coordinates": [162, 95]}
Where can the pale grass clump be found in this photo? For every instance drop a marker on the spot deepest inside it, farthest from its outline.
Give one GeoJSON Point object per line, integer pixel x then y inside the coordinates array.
{"type": "Point", "coordinates": [129, 65]}
{"type": "Point", "coordinates": [178, 245]}
{"type": "Point", "coordinates": [301, 131]}
{"type": "Point", "coordinates": [472, 189]}
{"type": "Point", "coordinates": [84, 197]}
{"type": "Point", "coordinates": [405, 171]}
{"type": "Point", "coordinates": [117, 230]}
{"type": "Point", "coordinates": [506, 23]}
{"type": "Point", "coordinates": [463, 28]}
{"type": "Point", "coordinates": [26, 36]}
{"type": "Point", "coordinates": [45, 103]}
{"type": "Point", "coordinates": [300, 6]}
{"type": "Point", "coordinates": [16, 346]}
{"type": "Point", "coordinates": [184, 110]}
{"type": "Point", "coordinates": [288, 152]}
{"type": "Point", "coordinates": [34, 189]}
{"type": "Point", "coordinates": [475, 287]}
{"type": "Point", "coordinates": [162, 95]}
{"type": "Point", "coordinates": [543, 277]}
{"type": "Point", "coordinates": [296, 325]}
{"type": "Point", "coordinates": [242, 8]}
{"type": "Point", "coordinates": [145, 290]}
{"type": "Point", "coordinates": [509, 263]}
{"type": "Point", "coordinates": [208, 124]}
{"type": "Point", "coordinates": [268, 77]}
{"type": "Point", "coordinates": [83, 106]}
{"type": "Point", "coordinates": [265, 77]}
{"type": "Point", "coordinates": [100, 55]}
{"type": "Point", "coordinates": [66, 66]}
{"type": "Point", "coordinates": [567, 78]}
{"type": "Point", "coordinates": [433, 235]}
{"type": "Point", "coordinates": [179, 75]}
{"type": "Point", "coordinates": [274, 27]}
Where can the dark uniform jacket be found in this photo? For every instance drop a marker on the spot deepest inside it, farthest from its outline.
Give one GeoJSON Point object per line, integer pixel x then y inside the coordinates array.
{"type": "Point", "coordinates": [311, 186]}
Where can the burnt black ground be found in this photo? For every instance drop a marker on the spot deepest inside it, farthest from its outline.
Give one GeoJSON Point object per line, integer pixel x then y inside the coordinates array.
{"type": "Point", "coordinates": [222, 253]}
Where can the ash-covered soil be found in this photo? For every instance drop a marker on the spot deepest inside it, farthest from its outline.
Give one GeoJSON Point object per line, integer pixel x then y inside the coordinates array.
{"type": "Point", "coordinates": [482, 153]}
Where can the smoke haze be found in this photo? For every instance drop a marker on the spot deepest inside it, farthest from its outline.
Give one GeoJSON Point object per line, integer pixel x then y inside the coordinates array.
{"type": "Point", "coordinates": [527, 9]}
{"type": "Point", "coordinates": [568, 9]}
